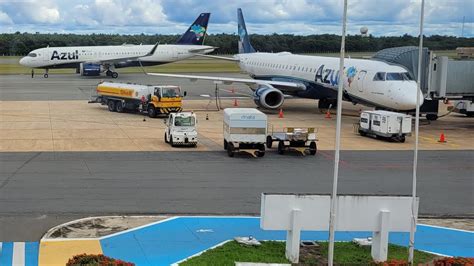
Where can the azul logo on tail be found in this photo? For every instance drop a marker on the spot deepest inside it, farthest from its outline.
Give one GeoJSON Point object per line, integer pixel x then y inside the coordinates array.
{"type": "Point", "coordinates": [65, 56]}
{"type": "Point", "coordinates": [198, 30]}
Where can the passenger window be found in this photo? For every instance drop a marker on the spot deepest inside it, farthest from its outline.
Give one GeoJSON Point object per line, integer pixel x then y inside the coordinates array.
{"type": "Point", "coordinates": [380, 76]}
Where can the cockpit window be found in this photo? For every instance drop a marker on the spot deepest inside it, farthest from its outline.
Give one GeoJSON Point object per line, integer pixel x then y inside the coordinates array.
{"type": "Point", "coordinates": [379, 76]}
{"type": "Point", "coordinates": [32, 55]}
{"type": "Point", "coordinates": [394, 76]}
{"type": "Point", "coordinates": [407, 76]}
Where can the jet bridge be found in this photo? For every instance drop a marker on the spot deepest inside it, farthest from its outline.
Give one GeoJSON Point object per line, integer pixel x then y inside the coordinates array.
{"type": "Point", "coordinates": [441, 78]}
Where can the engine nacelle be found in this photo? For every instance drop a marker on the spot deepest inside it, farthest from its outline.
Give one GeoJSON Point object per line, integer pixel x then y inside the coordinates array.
{"type": "Point", "coordinates": [90, 69]}
{"type": "Point", "coordinates": [268, 97]}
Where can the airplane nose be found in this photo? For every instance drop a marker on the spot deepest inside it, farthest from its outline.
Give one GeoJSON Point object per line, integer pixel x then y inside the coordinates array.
{"type": "Point", "coordinates": [22, 61]}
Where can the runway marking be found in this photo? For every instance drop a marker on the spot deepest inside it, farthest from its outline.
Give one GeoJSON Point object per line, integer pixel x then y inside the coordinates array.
{"type": "Point", "coordinates": [19, 253]}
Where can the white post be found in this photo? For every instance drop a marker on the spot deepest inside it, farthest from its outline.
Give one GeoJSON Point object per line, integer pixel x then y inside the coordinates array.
{"type": "Point", "coordinates": [293, 237]}
{"type": "Point", "coordinates": [414, 212]}
{"type": "Point", "coordinates": [332, 215]}
{"type": "Point", "coordinates": [379, 249]}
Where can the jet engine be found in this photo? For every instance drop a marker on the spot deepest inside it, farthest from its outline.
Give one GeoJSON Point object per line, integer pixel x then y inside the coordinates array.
{"type": "Point", "coordinates": [268, 97]}
{"type": "Point", "coordinates": [90, 69]}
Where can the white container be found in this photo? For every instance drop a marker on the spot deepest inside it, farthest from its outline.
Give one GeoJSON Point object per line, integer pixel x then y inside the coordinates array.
{"type": "Point", "coordinates": [244, 129]}
{"type": "Point", "coordinates": [385, 124]}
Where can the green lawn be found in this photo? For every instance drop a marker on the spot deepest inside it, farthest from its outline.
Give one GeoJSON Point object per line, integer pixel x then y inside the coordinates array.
{"type": "Point", "coordinates": [9, 65]}
{"type": "Point", "coordinates": [274, 252]}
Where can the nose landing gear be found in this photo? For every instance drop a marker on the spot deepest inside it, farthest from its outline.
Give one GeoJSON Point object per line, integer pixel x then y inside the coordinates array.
{"type": "Point", "coordinates": [46, 74]}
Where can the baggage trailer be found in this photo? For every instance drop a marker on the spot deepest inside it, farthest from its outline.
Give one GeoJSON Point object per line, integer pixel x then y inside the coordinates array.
{"type": "Point", "coordinates": [300, 139]}
{"type": "Point", "coordinates": [245, 130]}
{"type": "Point", "coordinates": [152, 99]}
{"type": "Point", "coordinates": [385, 124]}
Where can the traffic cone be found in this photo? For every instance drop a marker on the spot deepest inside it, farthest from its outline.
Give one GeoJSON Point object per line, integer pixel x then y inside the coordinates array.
{"type": "Point", "coordinates": [236, 103]}
{"type": "Point", "coordinates": [207, 116]}
{"type": "Point", "coordinates": [442, 139]}
{"type": "Point", "coordinates": [328, 115]}
{"type": "Point", "coordinates": [280, 114]}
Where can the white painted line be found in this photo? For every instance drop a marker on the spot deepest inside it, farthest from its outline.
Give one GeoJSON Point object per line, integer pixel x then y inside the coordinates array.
{"type": "Point", "coordinates": [18, 254]}
{"type": "Point", "coordinates": [137, 228]}
{"type": "Point", "coordinates": [199, 253]}
{"type": "Point", "coordinates": [447, 228]}
{"type": "Point", "coordinates": [67, 239]}
{"type": "Point", "coordinates": [1, 245]}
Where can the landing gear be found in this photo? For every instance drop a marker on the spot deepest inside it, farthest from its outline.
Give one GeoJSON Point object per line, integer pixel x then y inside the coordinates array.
{"type": "Point", "coordinates": [112, 74]}
{"type": "Point", "coordinates": [46, 74]}
{"type": "Point", "coordinates": [325, 103]}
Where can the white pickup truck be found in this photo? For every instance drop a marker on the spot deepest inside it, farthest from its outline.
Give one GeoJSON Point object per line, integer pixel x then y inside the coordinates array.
{"type": "Point", "coordinates": [181, 129]}
{"type": "Point", "coordinates": [245, 129]}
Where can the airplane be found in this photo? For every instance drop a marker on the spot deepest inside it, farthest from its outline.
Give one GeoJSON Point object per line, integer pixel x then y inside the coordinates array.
{"type": "Point", "coordinates": [93, 60]}
{"type": "Point", "coordinates": [276, 76]}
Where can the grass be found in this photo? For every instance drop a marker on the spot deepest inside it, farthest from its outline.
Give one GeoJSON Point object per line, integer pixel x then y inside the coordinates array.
{"type": "Point", "coordinates": [9, 65]}
{"type": "Point", "coordinates": [274, 252]}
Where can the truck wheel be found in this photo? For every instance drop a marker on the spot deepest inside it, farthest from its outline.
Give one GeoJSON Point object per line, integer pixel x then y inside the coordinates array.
{"type": "Point", "coordinates": [166, 139]}
{"type": "Point", "coordinates": [431, 117]}
{"type": "Point", "coordinates": [111, 105]}
{"type": "Point", "coordinates": [230, 149]}
{"type": "Point", "coordinates": [269, 142]}
{"type": "Point", "coordinates": [402, 139]}
{"type": "Point", "coordinates": [362, 133]}
{"type": "Point", "coordinates": [313, 148]}
{"type": "Point", "coordinates": [171, 141]}
{"type": "Point", "coordinates": [119, 107]}
{"type": "Point", "coordinates": [225, 145]}
{"type": "Point", "coordinates": [261, 151]}
{"type": "Point", "coordinates": [281, 147]}
{"type": "Point", "coordinates": [151, 111]}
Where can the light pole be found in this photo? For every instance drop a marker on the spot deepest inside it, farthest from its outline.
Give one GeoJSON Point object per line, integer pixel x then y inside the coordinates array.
{"type": "Point", "coordinates": [332, 216]}
{"type": "Point", "coordinates": [411, 248]}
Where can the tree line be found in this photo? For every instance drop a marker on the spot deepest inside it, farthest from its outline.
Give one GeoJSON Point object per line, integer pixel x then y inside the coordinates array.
{"type": "Point", "coordinates": [22, 43]}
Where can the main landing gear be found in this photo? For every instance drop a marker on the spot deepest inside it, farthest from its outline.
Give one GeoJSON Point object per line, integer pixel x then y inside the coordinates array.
{"type": "Point", "coordinates": [112, 74]}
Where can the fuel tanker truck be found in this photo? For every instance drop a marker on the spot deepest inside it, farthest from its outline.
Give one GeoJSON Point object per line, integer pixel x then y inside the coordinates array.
{"type": "Point", "coordinates": [152, 99]}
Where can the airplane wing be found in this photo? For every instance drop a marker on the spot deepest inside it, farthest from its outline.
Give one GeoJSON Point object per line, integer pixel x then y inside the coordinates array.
{"type": "Point", "coordinates": [128, 58]}
{"type": "Point", "coordinates": [252, 83]}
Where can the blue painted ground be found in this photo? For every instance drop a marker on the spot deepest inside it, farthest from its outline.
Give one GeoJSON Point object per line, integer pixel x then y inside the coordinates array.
{"type": "Point", "coordinates": [176, 239]}
{"type": "Point", "coordinates": [30, 255]}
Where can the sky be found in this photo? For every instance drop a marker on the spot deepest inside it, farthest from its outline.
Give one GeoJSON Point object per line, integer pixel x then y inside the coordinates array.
{"type": "Point", "coordinates": [299, 17]}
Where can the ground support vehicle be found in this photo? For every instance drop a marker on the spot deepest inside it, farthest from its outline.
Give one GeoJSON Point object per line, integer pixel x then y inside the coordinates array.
{"type": "Point", "coordinates": [152, 99]}
{"type": "Point", "coordinates": [245, 130]}
{"type": "Point", "coordinates": [302, 140]}
{"type": "Point", "coordinates": [181, 129]}
{"type": "Point", "coordinates": [385, 124]}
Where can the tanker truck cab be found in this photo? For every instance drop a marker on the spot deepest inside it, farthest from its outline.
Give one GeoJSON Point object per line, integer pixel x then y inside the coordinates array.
{"type": "Point", "coordinates": [164, 100]}
{"type": "Point", "coordinates": [181, 129]}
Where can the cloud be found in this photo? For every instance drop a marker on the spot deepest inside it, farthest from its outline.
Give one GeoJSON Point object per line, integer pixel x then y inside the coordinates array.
{"type": "Point", "coordinates": [388, 17]}
{"type": "Point", "coordinates": [5, 19]}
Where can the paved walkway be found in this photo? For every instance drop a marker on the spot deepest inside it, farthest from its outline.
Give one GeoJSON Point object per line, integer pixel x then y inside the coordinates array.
{"type": "Point", "coordinates": [172, 240]}
{"type": "Point", "coordinates": [19, 253]}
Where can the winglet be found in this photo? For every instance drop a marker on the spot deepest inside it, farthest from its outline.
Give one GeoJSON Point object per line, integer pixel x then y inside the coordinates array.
{"type": "Point", "coordinates": [153, 49]}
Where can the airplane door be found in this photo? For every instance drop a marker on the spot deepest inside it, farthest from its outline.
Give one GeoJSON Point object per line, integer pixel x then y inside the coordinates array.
{"type": "Point", "coordinates": [174, 53]}
{"type": "Point", "coordinates": [360, 80]}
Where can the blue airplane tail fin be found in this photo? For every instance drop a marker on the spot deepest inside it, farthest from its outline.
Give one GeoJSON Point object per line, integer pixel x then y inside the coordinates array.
{"type": "Point", "coordinates": [196, 33]}
{"type": "Point", "coordinates": [244, 40]}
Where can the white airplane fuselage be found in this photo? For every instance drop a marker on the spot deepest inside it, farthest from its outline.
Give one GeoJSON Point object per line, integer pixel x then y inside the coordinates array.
{"type": "Point", "coordinates": [71, 57]}
{"type": "Point", "coordinates": [370, 82]}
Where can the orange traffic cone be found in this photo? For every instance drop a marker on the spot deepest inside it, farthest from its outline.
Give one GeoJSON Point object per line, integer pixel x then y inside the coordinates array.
{"type": "Point", "coordinates": [328, 115]}
{"type": "Point", "coordinates": [236, 103]}
{"type": "Point", "coordinates": [442, 139]}
{"type": "Point", "coordinates": [280, 115]}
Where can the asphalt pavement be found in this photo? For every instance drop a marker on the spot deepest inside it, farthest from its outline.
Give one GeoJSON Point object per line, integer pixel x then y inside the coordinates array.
{"type": "Point", "coordinates": [40, 190]}
{"type": "Point", "coordinates": [74, 87]}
